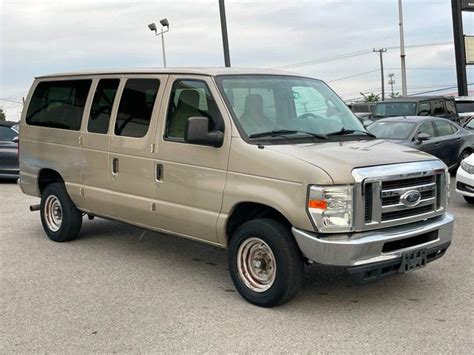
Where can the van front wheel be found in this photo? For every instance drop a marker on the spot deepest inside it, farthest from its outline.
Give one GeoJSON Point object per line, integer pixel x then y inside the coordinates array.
{"type": "Point", "coordinates": [265, 262]}
{"type": "Point", "coordinates": [61, 219]}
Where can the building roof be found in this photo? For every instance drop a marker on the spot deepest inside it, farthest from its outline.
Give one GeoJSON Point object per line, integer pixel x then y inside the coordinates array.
{"type": "Point", "coordinates": [199, 71]}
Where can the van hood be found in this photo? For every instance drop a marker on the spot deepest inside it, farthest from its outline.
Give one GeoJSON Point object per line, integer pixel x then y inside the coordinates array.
{"type": "Point", "coordinates": [338, 159]}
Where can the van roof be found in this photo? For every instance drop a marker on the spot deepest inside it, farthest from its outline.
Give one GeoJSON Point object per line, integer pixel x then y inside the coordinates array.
{"type": "Point", "coordinates": [199, 71]}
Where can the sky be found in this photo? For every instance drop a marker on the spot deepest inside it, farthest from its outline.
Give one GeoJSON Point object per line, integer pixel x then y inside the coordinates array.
{"type": "Point", "coordinates": [316, 38]}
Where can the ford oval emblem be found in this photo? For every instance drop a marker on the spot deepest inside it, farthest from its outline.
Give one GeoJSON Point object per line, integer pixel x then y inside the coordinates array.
{"type": "Point", "coordinates": [411, 198]}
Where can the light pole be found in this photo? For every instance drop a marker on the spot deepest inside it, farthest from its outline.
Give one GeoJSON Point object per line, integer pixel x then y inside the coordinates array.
{"type": "Point", "coordinates": [391, 82]}
{"type": "Point", "coordinates": [225, 38]}
{"type": "Point", "coordinates": [165, 28]}
{"type": "Point", "coordinates": [402, 49]}
{"type": "Point", "coordinates": [381, 52]}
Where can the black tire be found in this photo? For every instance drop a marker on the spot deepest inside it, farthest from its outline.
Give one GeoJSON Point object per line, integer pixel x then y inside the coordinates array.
{"type": "Point", "coordinates": [288, 262]}
{"type": "Point", "coordinates": [71, 218]}
{"type": "Point", "coordinates": [469, 199]}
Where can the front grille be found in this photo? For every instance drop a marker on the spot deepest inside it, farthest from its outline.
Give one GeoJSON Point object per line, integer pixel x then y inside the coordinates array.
{"type": "Point", "coordinates": [398, 184]}
{"type": "Point", "coordinates": [396, 194]}
{"type": "Point", "coordinates": [390, 216]}
{"type": "Point", "coordinates": [368, 203]}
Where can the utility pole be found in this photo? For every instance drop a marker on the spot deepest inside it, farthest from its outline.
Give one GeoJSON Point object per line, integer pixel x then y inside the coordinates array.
{"type": "Point", "coordinates": [225, 39]}
{"type": "Point", "coordinates": [459, 49]}
{"type": "Point", "coordinates": [381, 51]}
{"type": "Point", "coordinates": [402, 49]}
{"type": "Point", "coordinates": [391, 82]}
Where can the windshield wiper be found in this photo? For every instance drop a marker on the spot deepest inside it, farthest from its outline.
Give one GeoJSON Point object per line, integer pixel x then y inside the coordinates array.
{"type": "Point", "coordinates": [344, 132]}
{"type": "Point", "coordinates": [282, 132]}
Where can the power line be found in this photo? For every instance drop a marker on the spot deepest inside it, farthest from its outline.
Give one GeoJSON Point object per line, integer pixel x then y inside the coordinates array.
{"type": "Point", "coordinates": [15, 101]}
{"type": "Point", "coordinates": [354, 54]}
{"type": "Point", "coordinates": [353, 76]}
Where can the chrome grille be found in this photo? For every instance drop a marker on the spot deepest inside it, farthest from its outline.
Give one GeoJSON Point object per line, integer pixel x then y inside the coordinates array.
{"type": "Point", "coordinates": [379, 191]}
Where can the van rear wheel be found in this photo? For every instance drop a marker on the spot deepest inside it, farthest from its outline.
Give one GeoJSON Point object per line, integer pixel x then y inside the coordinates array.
{"type": "Point", "coordinates": [61, 219]}
{"type": "Point", "coordinates": [265, 262]}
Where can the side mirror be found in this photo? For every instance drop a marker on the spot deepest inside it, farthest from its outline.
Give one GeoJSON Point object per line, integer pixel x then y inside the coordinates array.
{"type": "Point", "coordinates": [15, 139]}
{"type": "Point", "coordinates": [197, 132]}
{"type": "Point", "coordinates": [421, 137]}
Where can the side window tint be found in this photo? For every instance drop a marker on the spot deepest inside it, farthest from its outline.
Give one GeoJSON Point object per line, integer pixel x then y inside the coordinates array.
{"type": "Point", "coordinates": [190, 98]}
{"type": "Point", "coordinates": [425, 109]}
{"type": "Point", "coordinates": [102, 105]}
{"type": "Point", "coordinates": [438, 108]}
{"type": "Point", "coordinates": [427, 128]}
{"type": "Point", "coordinates": [136, 106]}
{"type": "Point", "coordinates": [58, 104]}
{"type": "Point", "coordinates": [444, 128]}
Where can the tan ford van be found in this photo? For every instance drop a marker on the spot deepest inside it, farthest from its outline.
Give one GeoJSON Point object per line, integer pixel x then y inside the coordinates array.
{"type": "Point", "coordinates": [270, 165]}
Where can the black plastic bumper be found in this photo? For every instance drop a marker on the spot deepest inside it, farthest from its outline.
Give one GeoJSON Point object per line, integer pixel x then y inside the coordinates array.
{"type": "Point", "coordinates": [368, 273]}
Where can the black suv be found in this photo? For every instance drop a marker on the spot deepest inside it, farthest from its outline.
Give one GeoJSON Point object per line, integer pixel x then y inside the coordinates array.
{"type": "Point", "coordinates": [436, 106]}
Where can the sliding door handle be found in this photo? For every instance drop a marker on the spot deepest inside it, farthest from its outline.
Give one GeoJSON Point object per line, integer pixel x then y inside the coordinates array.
{"type": "Point", "coordinates": [159, 172]}
{"type": "Point", "coordinates": [115, 166]}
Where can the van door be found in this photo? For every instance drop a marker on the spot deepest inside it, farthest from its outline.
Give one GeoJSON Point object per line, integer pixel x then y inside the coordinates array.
{"type": "Point", "coordinates": [132, 150]}
{"type": "Point", "coordinates": [191, 177]}
{"type": "Point", "coordinates": [95, 147]}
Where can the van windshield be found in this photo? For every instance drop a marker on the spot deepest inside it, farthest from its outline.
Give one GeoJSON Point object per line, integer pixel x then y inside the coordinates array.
{"type": "Point", "coordinates": [273, 106]}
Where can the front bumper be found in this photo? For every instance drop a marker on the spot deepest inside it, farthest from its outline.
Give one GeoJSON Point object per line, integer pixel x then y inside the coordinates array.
{"type": "Point", "coordinates": [376, 246]}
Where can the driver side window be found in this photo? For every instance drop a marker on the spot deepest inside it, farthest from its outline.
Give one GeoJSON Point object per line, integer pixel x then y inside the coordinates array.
{"type": "Point", "coordinates": [427, 128]}
{"type": "Point", "coordinates": [424, 109]}
{"type": "Point", "coordinates": [190, 98]}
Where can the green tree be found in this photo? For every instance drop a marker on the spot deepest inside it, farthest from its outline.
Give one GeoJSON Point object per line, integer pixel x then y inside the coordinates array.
{"type": "Point", "coordinates": [3, 117]}
{"type": "Point", "coordinates": [370, 97]}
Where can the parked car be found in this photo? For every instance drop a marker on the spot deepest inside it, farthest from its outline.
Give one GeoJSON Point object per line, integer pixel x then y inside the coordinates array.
{"type": "Point", "coordinates": [465, 107]}
{"type": "Point", "coordinates": [438, 136]}
{"type": "Point", "coordinates": [436, 106]}
{"type": "Point", "coordinates": [9, 150]}
{"type": "Point", "coordinates": [270, 165]}
{"type": "Point", "coordinates": [465, 179]}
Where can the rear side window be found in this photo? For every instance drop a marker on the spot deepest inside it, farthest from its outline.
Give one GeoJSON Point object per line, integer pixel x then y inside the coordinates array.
{"type": "Point", "coordinates": [102, 105]}
{"type": "Point", "coordinates": [438, 108]}
{"type": "Point", "coordinates": [450, 107]}
{"type": "Point", "coordinates": [136, 106]}
{"type": "Point", "coordinates": [444, 128]}
{"type": "Point", "coordinates": [58, 104]}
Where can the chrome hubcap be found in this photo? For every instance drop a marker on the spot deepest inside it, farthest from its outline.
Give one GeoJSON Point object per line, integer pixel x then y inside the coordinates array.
{"type": "Point", "coordinates": [256, 264]}
{"type": "Point", "coordinates": [53, 213]}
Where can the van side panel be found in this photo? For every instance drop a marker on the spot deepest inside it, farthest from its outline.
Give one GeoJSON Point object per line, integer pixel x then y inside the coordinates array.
{"type": "Point", "coordinates": [266, 177]}
{"type": "Point", "coordinates": [55, 149]}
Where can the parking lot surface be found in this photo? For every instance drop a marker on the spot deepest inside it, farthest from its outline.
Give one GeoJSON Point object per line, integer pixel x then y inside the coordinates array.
{"type": "Point", "coordinates": [119, 288]}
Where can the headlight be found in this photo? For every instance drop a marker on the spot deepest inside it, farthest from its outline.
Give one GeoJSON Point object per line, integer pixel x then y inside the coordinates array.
{"type": "Point", "coordinates": [467, 167]}
{"type": "Point", "coordinates": [330, 207]}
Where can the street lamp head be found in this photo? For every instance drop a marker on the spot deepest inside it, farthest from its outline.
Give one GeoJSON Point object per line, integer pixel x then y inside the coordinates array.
{"type": "Point", "coordinates": [152, 27]}
{"type": "Point", "coordinates": [164, 22]}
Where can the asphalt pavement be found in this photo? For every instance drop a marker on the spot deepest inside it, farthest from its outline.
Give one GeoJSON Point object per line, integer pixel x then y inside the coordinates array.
{"type": "Point", "coordinates": [119, 288]}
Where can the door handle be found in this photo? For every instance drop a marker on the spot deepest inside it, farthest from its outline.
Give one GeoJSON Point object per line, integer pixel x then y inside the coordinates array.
{"type": "Point", "coordinates": [115, 166]}
{"type": "Point", "coordinates": [159, 173]}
